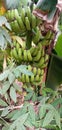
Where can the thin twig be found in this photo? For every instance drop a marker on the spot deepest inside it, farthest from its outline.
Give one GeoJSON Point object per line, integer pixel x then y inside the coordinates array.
{"type": "Point", "coordinates": [11, 107]}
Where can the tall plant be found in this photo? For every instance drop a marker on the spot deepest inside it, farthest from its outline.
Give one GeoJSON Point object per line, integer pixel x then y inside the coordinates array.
{"type": "Point", "coordinates": [30, 65]}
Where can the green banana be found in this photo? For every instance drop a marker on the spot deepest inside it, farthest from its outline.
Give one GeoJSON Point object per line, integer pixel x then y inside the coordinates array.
{"type": "Point", "coordinates": [14, 53]}
{"type": "Point", "coordinates": [11, 53]}
{"type": "Point", "coordinates": [29, 55]}
{"type": "Point", "coordinates": [27, 23]}
{"type": "Point", "coordinates": [47, 38]}
{"type": "Point", "coordinates": [43, 52]}
{"type": "Point", "coordinates": [27, 78]}
{"type": "Point", "coordinates": [23, 14]}
{"type": "Point", "coordinates": [28, 13]}
{"type": "Point", "coordinates": [29, 67]}
{"type": "Point", "coordinates": [14, 43]}
{"type": "Point", "coordinates": [42, 71]}
{"type": "Point", "coordinates": [40, 46]}
{"type": "Point", "coordinates": [33, 21]}
{"type": "Point", "coordinates": [8, 15]}
{"type": "Point", "coordinates": [32, 78]}
{"type": "Point", "coordinates": [25, 55]}
{"type": "Point", "coordinates": [16, 26]}
{"type": "Point", "coordinates": [21, 24]}
{"type": "Point", "coordinates": [13, 27]}
{"type": "Point", "coordinates": [23, 78]}
{"type": "Point", "coordinates": [39, 71]}
{"type": "Point", "coordinates": [38, 56]}
{"type": "Point", "coordinates": [37, 36]}
{"type": "Point", "coordinates": [16, 14]}
{"type": "Point", "coordinates": [34, 70]}
{"type": "Point", "coordinates": [48, 35]}
{"type": "Point", "coordinates": [11, 15]}
{"type": "Point", "coordinates": [17, 46]}
{"type": "Point", "coordinates": [20, 54]}
{"type": "Point", "coordinates": [37, 78]}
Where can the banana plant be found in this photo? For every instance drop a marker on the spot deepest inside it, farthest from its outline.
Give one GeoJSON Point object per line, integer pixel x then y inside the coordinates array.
{"type": "Point", "coordinates": [54, 75]}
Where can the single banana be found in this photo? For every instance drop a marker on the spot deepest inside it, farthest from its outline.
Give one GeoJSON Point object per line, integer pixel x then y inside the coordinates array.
{"type": "Point", "coordinates": [34, 70]}
{"type": "Point", "coordinates": [20, 54]}
{"type": "Point", "coordinates": [28, 13]}
{"type": "Point", "coordinates": [33, 21]}
{"type": "Point", "coordinates": [17, 46]}
{"type": "Point", "coordinates": [29, 67]}
{"type": "Point", "coordinates": [38, 56]}
{"type": "Point", "coordinates": [8, 15]}
{"type": "Point", "coordinates": [16, 14]}
{"type": "Point", "coordinates": [23, 14]}
{"type": "Point", "coordinates": [43, 52]}
{"type": "Point", "coordinates": [23, 78]}
{"type": "Point", "coordinates": [13, 27]}
{"type": "Point", "coordinates": [37, 36]}
{"type": "Point", "coordinates": [32, 78]}
{"type": "Point", "coordinates": [37, 78]}
{"type": "Point", "coordinates": [21, 24]}
{"type": "Point", "coordinates": [39, 71]}
{"type": "Point", "coordinates": [40, 46]}
{"type": "Point", "coordinates": [29, 55]}
{"type": "Point", "coordinates": [13, 12]}
{"type": "Point", "coordinates": [11, 53]}
{"type": "Point", "coordinates": [11, 15]}
{"type": "Point", "coordinates": [14, 43]}
{"type": "Point", "coordinates": [16, 26]}
{"type": "Point", "coordinates": [27, 23]}
{"type": "Point", "coordinates": [27, 78]}
{"type": "Point", "coordinates": [14, 52]}
{"type": "Point", "coordinates": [25, 57]}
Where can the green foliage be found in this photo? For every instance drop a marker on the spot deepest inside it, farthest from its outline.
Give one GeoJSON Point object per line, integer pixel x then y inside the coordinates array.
{"type": "Point", "coordinates": [26, 117]}
{"type": "Point", "coordinates": [42, 106]}
{"type": "Point", "coordinates": [8, 78]}
{"type": "Point", "coordinates": [12, 4]}
{"type": "Point", "coordinates": [4, 35]}
{"type": "Point", "coordinates": [49, 7]}
{"type": "Point", "coordinates": [58, 46]}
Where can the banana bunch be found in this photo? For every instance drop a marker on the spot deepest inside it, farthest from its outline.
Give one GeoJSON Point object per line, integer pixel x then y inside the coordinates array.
{"type": "Point", "coordinates": [47, 39]}
{"type": "Point", "coordinates": [43, 62]}
{"type": "Point", "coordinates": [23, 21]}
{"type": "Point", "coordinates": [19, 53]}
{"type": "Point", "coordinates": [40, 58]}
{"type": "Point", "coordinates": [34, 79]}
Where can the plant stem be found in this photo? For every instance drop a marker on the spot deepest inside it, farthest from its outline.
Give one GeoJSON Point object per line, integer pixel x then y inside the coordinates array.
{"type": "Point", "coordinates": [28, 39]}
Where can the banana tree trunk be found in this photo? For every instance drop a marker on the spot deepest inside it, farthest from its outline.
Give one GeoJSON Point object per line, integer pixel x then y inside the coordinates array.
{"type": "Point", "coordinates": [54, 74]}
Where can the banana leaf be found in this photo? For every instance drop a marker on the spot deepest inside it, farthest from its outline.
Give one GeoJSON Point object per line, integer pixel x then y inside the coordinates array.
{"type": "Point", "coordinates": [44, 7]}
{"type": "Point", "coordinates": [54, 74]}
